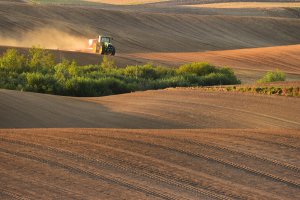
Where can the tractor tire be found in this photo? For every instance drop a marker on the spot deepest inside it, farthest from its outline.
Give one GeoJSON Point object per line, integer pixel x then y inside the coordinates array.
{"type": "Point", "coordinates": [113, 52]}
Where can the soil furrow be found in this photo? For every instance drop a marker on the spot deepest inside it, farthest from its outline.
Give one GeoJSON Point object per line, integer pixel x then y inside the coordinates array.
{"type": "Point", "coordinates": [154, 175]}
{"type": "Point", "coordinates": [265, 141]}
{"type": "Point", "coordinates": [93, 175]}
{"type": "Point", "coordinates": [13, 195]}
{"type": "Point", "coordinates": [38, 182]}
{"type": "Point", "coordinates": [162, 162]}
{"type": "Point", "coordinates": [214, 159]}
{"type": "Point", "coordinates": [228, 150]}
{"type": "Point", "coordinates": [180, 162]}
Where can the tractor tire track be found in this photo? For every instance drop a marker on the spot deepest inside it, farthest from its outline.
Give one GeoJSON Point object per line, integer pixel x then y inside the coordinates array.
{"type": "Point", "coordinates": [265, 141]}
{"type": "Point", "coordinates": [249, 155]}
{"type": "Point", "coordinates": [226, 149]}
{"type": "Point", "coordinates": [93, 175]}
{"type": "Point", "coordinates": [263, 174]}
{"type": "Point", "coordinates": [158, 176]}
{"type": "Point", "coordinates": [13, 194]}
{"type": "Point", "coordinates": [47, 184]}
{"type": "Point", "coordinates": [148, 157]}
{"type": "Point", "coordinates": [214, 159]}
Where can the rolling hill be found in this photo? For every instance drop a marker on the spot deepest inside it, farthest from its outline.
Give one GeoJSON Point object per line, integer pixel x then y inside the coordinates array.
{"type": "Point", "coordinates": [174, 108]}
{"type": "Point", "coordinates": [177, 143]}
{"type": "Point", "coordinates": [148, 31]}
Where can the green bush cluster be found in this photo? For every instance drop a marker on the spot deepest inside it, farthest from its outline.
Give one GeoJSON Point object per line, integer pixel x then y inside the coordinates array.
{"type": "Point", "coordinates": [273, 76]}
{"type": "Point", "coordinates": [38, 72]}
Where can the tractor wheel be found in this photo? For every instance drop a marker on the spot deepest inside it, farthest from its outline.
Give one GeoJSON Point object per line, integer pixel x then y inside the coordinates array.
{"type": "Point", "coordinates": [113, 52]}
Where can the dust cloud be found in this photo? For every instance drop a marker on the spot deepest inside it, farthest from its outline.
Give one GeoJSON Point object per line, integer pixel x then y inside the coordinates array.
{"type": "Point", "coordinates": [48, 38]}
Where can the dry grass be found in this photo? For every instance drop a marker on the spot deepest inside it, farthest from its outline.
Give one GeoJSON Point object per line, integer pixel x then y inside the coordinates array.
{"type": "Point", "coordinates": [249, 5]}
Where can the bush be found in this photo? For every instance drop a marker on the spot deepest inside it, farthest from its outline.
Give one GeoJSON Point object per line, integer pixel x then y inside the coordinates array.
{"type": "Point", "coordinates": [38, 82]}
{"type": "Point", "coordinates": [41, 60]}
{"type": "Point", "coordinates": [199, 69]}
{"type": "Point", "coordinates": [38, 72]}
{"type": "Point", "coordinates": [145, 72]}
{"type": "Point", "coordinates": [89, 87]}
{"type": "Point", "coordinates": [13, 61]}
{"type": "Point", "coordinates": [12, 81]}
{"type": "Point", "coordinates": [273, 76]}
{"type": "Point", "coordinates": [108, 63]}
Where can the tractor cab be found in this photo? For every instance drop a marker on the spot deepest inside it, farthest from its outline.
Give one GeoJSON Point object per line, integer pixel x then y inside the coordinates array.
{"type": "Point", "coordinates": [105, 39]}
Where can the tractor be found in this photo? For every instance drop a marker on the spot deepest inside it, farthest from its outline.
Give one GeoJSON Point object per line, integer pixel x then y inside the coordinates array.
{"type": "Point", "coordinates": [102, 45]}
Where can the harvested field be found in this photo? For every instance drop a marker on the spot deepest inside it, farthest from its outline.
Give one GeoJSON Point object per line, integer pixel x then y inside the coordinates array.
{"type": "Point", "coordinates": [149, 164]}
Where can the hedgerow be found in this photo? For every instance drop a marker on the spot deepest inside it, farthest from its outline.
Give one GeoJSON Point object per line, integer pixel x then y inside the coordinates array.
{"type": "Point", "coordinates": [38, 72]}
{"type": "Point", "coordinates": [290, 91]}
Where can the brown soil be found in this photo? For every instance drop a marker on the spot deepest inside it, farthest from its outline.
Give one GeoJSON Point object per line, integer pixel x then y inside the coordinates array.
{"type": "Point", "coordinates": [149, 164]}
{"type": "Point", "coordinates": [171, 108]}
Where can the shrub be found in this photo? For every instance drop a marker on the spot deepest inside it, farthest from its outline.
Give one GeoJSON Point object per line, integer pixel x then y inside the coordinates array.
{"type": "Point", "coordinates": [200, 69]}
{"type": "Point", "coordinates": [273, 76]}
{"type": "Point", "coordinates": [220, 79]}
{"type": "Point", "coordinates": [193, 79]}
{"type": "Point", "coordinates": [162, 72]}
{"type": "Point", "coordinates": [107, 63]}
{"type": "Point", "coordinates": [38, 82]}
{"type": "Point", "coordinates": [13, 61]}
{"type": "Point", "coordinates": [145, 72]}
{"type": "Point", "coordinates": [176, 81]}
{"type": "Point", "coordinates": [12, 80]}
{"type": "Point", "coordinates": [89, 87]}
{"type": "Point", "coordinates": [41, 60]}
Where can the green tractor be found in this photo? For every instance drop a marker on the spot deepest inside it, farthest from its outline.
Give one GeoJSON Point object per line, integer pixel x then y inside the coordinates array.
{"type": "Point", "coordinates": [102, 45]}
